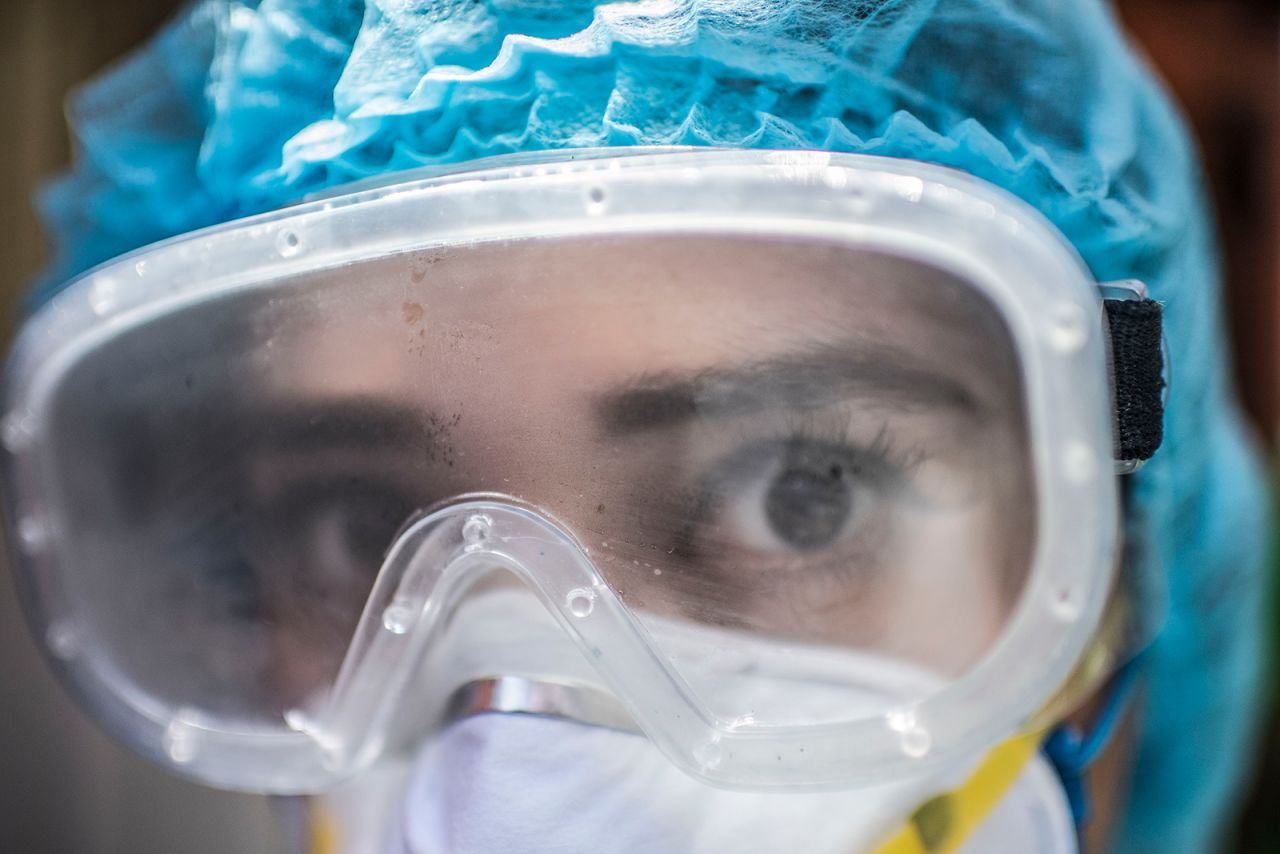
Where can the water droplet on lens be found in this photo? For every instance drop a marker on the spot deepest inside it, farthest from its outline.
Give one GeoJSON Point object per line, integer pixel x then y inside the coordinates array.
{"type": "Point", "coordinates": [581, 602]}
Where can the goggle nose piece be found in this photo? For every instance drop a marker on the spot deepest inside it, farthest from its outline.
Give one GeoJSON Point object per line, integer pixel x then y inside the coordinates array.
{"type": "Point", "coordinates": [429, 618]}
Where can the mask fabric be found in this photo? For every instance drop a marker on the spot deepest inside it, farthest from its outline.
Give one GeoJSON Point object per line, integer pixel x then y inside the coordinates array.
{"type": "Point", "coordinates": [535, 785]}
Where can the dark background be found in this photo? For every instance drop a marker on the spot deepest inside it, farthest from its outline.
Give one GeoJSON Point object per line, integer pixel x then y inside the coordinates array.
{"type": "Point", "coordinates": [65, 788]}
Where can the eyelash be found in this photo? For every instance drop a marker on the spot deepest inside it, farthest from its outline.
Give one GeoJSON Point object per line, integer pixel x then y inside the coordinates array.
{"type": "Point", "coordinates": [886, 461]}
{"type": "Point", "coordinates": [894, 461]}
{"type": "Point", "coordinates": [833, 426]}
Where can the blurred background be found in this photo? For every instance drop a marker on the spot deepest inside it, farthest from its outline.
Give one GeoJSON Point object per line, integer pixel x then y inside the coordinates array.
{"type": "Point", "coordinates": [64, 787]}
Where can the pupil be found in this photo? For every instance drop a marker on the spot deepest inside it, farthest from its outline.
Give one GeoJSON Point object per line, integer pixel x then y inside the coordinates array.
{"type": "Point", "coordinates": [808, 504]}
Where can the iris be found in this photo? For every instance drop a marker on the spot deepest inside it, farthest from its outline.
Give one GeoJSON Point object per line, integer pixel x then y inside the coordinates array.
{"type": "Point", "coordinates": [810, 500]}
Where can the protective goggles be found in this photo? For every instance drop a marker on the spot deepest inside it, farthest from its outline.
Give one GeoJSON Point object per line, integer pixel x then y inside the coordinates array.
{"type": "Point", "coordinates": [807, 461]}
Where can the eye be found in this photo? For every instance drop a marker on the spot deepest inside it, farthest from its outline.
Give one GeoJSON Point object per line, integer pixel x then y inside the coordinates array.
{"type": "Point", "coordinates": [809, 500]}
{"type": "Point", "coordinates": [332, 531]}
{"type": "Point", "coordinates": [361, 522]}
{"type": "Point", "coordinates": [354, 520]}
{"type": "Point", "coordinates": [800, 495]}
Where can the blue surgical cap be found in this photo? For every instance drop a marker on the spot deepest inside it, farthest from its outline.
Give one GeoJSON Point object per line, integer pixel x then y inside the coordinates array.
{"type": "Point", "coordinates": [238, 107]}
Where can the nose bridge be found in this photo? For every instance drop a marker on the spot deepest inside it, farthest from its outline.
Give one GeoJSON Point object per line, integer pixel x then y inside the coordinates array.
{"type": "Point", "coordinates": [429, 570]}
{"type": "Point", "coordinates": [426, 580]}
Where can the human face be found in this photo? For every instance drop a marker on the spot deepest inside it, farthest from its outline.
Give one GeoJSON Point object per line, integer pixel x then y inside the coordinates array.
{"type": "Point", "coordinates": [746, 434]}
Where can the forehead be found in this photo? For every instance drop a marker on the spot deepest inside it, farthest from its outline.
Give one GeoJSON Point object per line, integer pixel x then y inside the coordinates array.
{"type": "Point", "coordinates": [595, 311]}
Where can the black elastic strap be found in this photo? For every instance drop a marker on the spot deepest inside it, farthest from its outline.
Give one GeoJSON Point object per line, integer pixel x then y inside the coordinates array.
{"type": "Point", "coordinates": [1137, 372]}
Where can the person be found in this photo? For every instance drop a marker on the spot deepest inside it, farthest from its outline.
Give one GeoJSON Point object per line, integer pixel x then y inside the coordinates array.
{"type": "Point", "coordinates": [683, 425]}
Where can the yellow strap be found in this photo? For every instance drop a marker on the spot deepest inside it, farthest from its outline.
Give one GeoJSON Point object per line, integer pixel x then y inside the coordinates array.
{"type": "Point", "coordinates": [323, 831]}
{"type": "Point", "coordinates": [942, 823]}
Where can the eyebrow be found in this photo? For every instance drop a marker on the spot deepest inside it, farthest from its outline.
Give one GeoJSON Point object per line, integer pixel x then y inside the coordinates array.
{"type": "Point", "coordinates": [300, 429]}
{"type": "Point", "coordinates": [803, 380]}
{"type": "Point", "coordinates": [365, 424]}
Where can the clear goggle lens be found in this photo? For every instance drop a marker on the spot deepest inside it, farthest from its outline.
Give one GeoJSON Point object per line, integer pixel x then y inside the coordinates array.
{"type": "Point", "coordinates": [793, 480]}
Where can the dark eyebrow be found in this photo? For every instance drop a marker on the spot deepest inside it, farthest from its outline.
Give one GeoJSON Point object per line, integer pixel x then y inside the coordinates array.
{"type": "Point", "coordinates": [798, 381]}
{"type": "Point", "coordinates": [173, 464]}
{"type": "Point", "coordinates": [361, 426]}
{"type": "Point", "coordinates": [351, 423]}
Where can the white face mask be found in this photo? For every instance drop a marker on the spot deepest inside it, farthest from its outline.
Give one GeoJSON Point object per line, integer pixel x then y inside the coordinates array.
{"type": "Point", "coordinates": [525, 784]}
{"type": "Point", "coordinates": [519, 784]}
